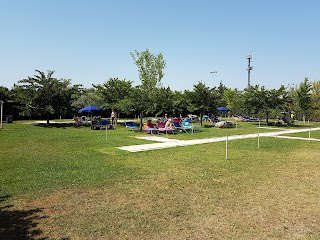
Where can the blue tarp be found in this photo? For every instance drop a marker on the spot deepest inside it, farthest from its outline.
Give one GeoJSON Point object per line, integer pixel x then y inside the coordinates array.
{"type": "Point", "coordinates": [89, 109]}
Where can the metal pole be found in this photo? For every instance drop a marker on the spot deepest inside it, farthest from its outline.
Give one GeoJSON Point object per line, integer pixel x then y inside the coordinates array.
{"type": "Point", "coordinates": [1, 102]}
{"type": "Point", "coordinates": [258, 139]}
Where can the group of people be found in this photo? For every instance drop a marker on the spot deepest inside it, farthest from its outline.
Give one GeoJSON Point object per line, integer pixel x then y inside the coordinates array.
{"type": "Point", "coordinates": [96, 121]}
{"type": "Point", "coordinates": [169, 121]}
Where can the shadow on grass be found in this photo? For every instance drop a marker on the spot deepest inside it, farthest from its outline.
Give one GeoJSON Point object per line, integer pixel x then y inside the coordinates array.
{"type": "Point", "coordinates": [55, 125]}
{"type": "Point", "coordinates": [274, 124]}
{"type": "Point", "coordinates": [19, 224]}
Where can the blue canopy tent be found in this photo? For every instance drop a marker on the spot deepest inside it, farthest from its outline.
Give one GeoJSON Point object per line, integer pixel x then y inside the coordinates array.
{"type": "Point", "coordinates": [223, 109]}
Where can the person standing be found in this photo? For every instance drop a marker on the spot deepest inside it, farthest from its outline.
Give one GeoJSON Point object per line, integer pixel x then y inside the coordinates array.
{"type": "Point", "coordinates": [113, 117]}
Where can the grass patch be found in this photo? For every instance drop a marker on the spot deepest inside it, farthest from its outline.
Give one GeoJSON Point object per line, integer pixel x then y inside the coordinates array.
{"type": "Point", "coordinates": [73, 184]}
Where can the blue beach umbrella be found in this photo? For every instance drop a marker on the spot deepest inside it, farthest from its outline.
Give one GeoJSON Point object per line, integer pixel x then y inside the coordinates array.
{"type": "Point", "coordinates": [89, 109]}
{"type": "Point", "coordinates": [223, 109]}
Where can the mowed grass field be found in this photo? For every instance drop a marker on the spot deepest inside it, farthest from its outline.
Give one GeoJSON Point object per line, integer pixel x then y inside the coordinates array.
{"type": "Point", "coordinates": [65, 182]}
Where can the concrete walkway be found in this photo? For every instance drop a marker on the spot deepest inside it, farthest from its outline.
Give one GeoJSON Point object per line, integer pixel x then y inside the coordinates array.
{"type": "Point", "coordinates": [168, 143]}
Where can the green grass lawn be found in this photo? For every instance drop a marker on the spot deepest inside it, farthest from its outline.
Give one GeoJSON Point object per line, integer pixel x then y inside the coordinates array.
{"type": "Point", "coordinates": [65, 182]}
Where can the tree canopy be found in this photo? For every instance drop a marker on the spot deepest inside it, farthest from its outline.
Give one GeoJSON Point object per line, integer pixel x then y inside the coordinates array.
{"type": "Point", "coordinates": [150, 67]}
{"type": "Point", "coordinates": [44, 95]}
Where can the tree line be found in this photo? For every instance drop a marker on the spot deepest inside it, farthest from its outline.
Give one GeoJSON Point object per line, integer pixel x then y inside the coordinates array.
{"type": "Point", "coordinates": [42, 95]}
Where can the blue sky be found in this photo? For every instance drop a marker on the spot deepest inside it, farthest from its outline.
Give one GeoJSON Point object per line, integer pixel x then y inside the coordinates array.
{"type": "Point", "coordinates": [91, 41]}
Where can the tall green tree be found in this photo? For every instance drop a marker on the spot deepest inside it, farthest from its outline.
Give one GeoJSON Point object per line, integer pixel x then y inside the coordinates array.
{"type": "Point", "coordinates": [315, 100]}
{"type": "Point", "coordinates": [304, 97]}
{"type": "Point", "coordinates": [252, 100]}
{"type": "Point", "coordinates": [150, 67]}
{"type": "Point", "coordinates": [179, 102]}
{"type": "Point", "coordinates": [233, 99]}
{"type": "Point", "coordinates": [87, 97]}
{"type": "Point", "coordinates": [164, 101]}
{"type": "Point", "coordinates": [200, 99]}
{"type": "Point", "coordinates": [263, 101]}
{"type": "Point", "coordinates": [43, 94]}
{"type": "Point", "coordinates": [113, 91]}
{"type": "Point", "coordinates": [9, 107]}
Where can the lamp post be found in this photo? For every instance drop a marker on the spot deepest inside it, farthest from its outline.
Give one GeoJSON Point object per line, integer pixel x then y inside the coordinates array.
{"type": "Point", "coordinates": [1, 115]}
{"type": "Point", "coordinates": [213, 72]}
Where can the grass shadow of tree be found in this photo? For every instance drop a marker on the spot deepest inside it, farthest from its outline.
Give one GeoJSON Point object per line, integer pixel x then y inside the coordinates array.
{"type": "Point", "coordinates": [19, 224]}
{"type": "Point", "coordinates": [55, 125]}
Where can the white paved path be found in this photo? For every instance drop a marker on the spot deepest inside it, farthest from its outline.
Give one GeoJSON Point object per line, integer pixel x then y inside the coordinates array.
{"type": "Point", "coordinates": [167, 143]}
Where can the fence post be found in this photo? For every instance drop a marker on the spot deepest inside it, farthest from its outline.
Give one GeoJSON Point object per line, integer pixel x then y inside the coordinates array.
{"type": "Point", "coordinates": [227, 148]}
{"type": "Point", "coordinates": [309, 134]}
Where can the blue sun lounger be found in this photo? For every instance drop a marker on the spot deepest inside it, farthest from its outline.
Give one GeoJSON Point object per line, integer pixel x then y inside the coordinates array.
{"type": "Point", "coordinates": [131, 126]}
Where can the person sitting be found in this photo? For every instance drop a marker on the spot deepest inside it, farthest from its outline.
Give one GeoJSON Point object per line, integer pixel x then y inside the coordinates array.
{"type": "Point", "coordinates": [166, 117]}
{"type": "Point", "coordinates": [95, 123]}
{"type": "Point", "coordinates": [168, 123]}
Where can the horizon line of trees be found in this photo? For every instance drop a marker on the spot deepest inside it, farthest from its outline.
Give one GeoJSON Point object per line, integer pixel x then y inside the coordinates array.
{"type": "Point", "coordinates": [44, 96]}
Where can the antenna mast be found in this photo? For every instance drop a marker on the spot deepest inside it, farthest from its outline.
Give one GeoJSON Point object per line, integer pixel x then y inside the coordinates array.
{"type": "Point", "coordinates": [249, 57]}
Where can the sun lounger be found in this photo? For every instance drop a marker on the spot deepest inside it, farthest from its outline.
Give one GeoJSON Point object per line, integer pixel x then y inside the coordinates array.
{"type": "Point", "coordinates": [131, 126]}
{"type": "Point", "coordinates": [150, 128]}
{"type": "Point", "coordinates": [162, 128]}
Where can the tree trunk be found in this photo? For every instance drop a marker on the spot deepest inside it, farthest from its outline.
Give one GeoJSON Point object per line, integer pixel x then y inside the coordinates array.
{"type": "Point", "coordinates": [267, 117]}
{"type": "Point", "coordinates": [48, 118]}
{"type": "Point", "coordinates": [201, 116]}
{"type": "Point", "coordinates": [141, 120]}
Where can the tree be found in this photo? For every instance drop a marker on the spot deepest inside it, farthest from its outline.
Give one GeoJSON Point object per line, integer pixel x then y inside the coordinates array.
{"type": "Point", "coordinates": [304, 97]}
{"type": "Point", "coordinates": [200, 99]}
{"type": "Point", "coordinates": [150, 68]}
{"type": "Point", "coordinates": [315, 101]}
{"type": "Point", "coordinates": [179, 102]}
{"type": "Point", "coordinates": [87, 97]}
{"type": "Point", "coordinates": [113, 91]}
{"type": "Point", "coordinates": [44, 95]}
{"type": "Point", "coordinates": [9, 107]}
{"type": "Point", "coordinates": [164, 101]}
{"type": "Point", "coordinates": [252, 100]}
{"type": "Point", "coordinates": [263, 101]}
{"type": "Point", "coordinates": [233, 99]}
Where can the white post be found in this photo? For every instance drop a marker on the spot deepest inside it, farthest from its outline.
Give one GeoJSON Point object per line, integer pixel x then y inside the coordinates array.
{"type": "Point", "coordinates": [227, 148]}
{"type": "Point", "coordinates": [309, 134]}
{"type": "Point", "coordinates": [236, 125]}
{"type": "Point", "coordinates": [258, 139]}
{"type": "Point", "coordinates": [1, 102]}
{"type": "Point", "coordinates": [107, 132]}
